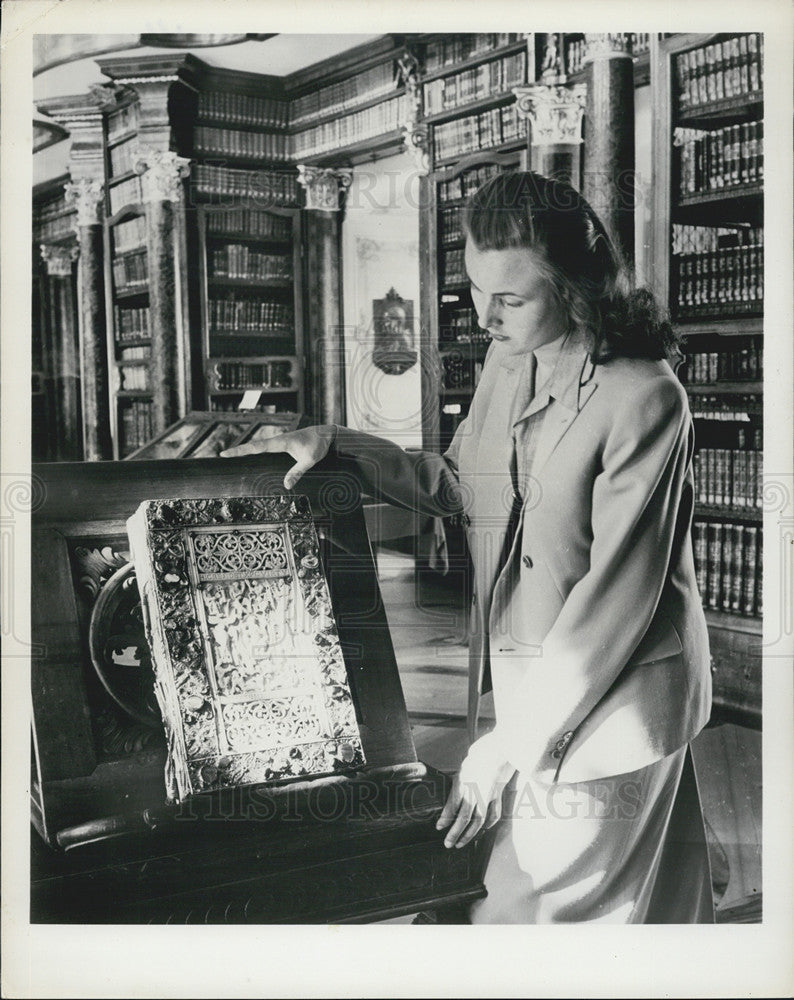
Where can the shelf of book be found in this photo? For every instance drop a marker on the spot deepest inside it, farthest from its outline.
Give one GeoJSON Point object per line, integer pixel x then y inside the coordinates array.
{"type": "Point", "coordinates": [739, 623]}
{"type": "Point", "coordinates": [251, 324]}
{"type": "Point", "coordinates": [708, 148]}
{"type": "Point", "coordinates": [448, 316]}
{"type": "Point", "coordinates": [127, 281]}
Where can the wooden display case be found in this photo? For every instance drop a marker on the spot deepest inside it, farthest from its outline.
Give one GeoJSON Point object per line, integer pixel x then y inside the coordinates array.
{"type": "Point", "coordinates": [108, 847]}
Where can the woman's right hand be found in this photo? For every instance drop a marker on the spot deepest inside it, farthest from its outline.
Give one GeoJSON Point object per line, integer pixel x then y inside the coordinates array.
{"type": "Point", "coordinates": [307, 446]}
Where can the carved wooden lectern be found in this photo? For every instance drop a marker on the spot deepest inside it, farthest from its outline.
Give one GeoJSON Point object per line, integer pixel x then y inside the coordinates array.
{"type": "Point", "coordinates": [354, 845]}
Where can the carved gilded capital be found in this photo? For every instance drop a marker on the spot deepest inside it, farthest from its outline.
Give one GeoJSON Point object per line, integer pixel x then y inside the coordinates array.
{"type": "Point", "coordinates": [599, 45]}
{"type": "Point", "coordinates": [161, 173]}
{"type": "Point", "coordinates": [324, 186]}
{"type": "Point", "coordinates": [87, 196]}
{"type": "Point", "coordinates": [59, 258]}
{"type": "Point", "coordinates": [554, 112]}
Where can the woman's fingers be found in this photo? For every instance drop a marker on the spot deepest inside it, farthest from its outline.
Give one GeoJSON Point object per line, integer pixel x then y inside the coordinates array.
{"type": "Point", "coordinates": [295, 473]}
{"type": "Point", "coordinates": [270, 444]}
{"type": "Point", "coordinates": [450, 809]}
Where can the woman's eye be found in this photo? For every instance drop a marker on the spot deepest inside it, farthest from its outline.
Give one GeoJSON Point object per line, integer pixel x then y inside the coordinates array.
{"type": "Point", "coordinates": [513, 303]}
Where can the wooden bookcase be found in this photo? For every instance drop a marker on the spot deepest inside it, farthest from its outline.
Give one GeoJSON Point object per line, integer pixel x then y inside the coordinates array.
{"type": "Point", "coordinates": [348, 109]}
{"type": "Point", "coordinates": [709, 268]}
{"type": "Point", "coordinates": [245, 237]}
{"type": "Point", "coordinates": [475, 132]}
{"type": "Point", "coordinates": [251, 306]}
{"type": "Point", "coordinates": [127, 284]}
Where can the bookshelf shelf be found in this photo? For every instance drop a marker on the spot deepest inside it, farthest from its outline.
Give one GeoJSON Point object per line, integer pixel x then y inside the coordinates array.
{"type": "Point", "coordinates": [126, 176]}
{"type": "Point", "coordinates": [477, 60]}
{"type": "Point", "coordinates": [725, 388]}
{"type": "Point", "coordinates": [736, 326]}
{"type": "Point", "coordinates": [730, 109]}
{"type": "Point", "coordinates": [252, 283]}
{"type": "Point", "coordinates": [732, 621]}
{"type": "Point", "coordinates": [376, 147]}
{"type": "Point", "coordinates": [470, 108]}
{"type": "Point", "coordinates": [732, 194]}
{"type": "Point", "coordinates": [304, 124]}
{"type": "Point", "coordinates": [129, 211]}
{"type": "Point", "coordinates": [280, 390]}
{"type": "Point", "coordinates": [513, 146]}
{"type": "Point", "coordinates": [753, 515]}
{"type": "Point", "coordinates": [132, 293]}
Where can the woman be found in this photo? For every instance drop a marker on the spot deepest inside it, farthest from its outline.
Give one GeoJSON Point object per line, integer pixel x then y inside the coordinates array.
{"type": "Point", "coordinates": [573, 470]}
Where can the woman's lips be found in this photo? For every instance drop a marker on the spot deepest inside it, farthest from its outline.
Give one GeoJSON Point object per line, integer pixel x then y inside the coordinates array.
{"type": "Point", "coordinates": [497, 336]}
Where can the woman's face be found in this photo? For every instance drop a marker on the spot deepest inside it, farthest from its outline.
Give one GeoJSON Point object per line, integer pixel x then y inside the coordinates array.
{"type": "Point", "coordinates": [515, 302]}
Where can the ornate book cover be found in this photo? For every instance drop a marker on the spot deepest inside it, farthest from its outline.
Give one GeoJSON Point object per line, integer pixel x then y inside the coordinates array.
{"type": "Point", "coordinates": [249, 673]}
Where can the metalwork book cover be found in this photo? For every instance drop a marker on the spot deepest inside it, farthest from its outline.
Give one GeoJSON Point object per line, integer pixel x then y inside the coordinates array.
{"type": "Point", "coordinates": [249, 672]}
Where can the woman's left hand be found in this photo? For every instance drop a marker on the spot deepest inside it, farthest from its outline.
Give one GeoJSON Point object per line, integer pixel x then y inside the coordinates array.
{"type": "Point", "coordinates": [475, 802]}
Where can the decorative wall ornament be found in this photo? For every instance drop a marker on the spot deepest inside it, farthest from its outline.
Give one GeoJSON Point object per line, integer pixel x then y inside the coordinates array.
{"type": "Point", "coordinates": [416, 135]}
{"type": "Point", "coordinates": [554, 112]}
{"type": "Point", "coordinates": [552, 68]}
{"type": "Point", "coordinates": [394, 351]}
{"type": "Point", "coordinates": [161, 173]}
{"type": "Point", "coordinates": [59, 258]}
{"type": "Point", "coordinates": [324, 186]}
{"type": "Point", "coordinates": [417, 142]}
{"type": "Point", "coordinates": [249, 673]}
{"type": "Point", "coordinates": [600, 45]}
{"type": "Point", "coordinates": [87, 196]}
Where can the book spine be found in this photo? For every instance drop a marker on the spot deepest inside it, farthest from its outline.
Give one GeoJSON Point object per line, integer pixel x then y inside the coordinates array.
{"type": "Point", "coordinates": [715, 544]}
{"type": "Point", "coordinates": [750, 555]}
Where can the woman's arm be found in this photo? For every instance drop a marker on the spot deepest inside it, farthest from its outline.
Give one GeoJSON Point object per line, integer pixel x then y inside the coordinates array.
{"type": "Point", "coordinates": [635, 509]}
{"type": "Point", "coordinates": [422, 481]}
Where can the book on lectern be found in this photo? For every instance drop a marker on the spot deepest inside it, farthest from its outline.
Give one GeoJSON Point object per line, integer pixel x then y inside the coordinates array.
{"type": "Point", "coordinates": [249, 672]}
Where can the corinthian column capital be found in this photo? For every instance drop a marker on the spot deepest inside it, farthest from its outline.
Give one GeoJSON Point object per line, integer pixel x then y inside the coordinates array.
{"type": "Point", "coordinates": [599, 45]}
{"type": "Point", "coordinates": [59, 258]}
{"type": "Point", "coordinates": [86, 194]}
{"type": "Point", "coordinates": [161, 173]}
{"type": "Point", "coordinates": [324, 186]}
{"type": "Point", "coordinates": [554, 112]}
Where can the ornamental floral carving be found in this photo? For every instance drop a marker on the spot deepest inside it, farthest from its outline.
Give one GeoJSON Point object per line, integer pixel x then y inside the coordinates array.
{"type": "Point", "coordinates": [161, 173]}
{"type": "Point", "coordinates": [600, 45]}
{"type": "Point", "coordinates": [324, 186]}
{"type": "Point", "coordinates": [87, 197]}
{"type": "Point", "coordinates": [554, 112]}
{"type": "Point", "coordinates": [59, 258]}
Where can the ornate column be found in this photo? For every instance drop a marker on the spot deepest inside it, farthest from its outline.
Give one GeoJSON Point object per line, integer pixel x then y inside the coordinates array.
{"type": "Point", "coordinates": [63, 367]}
{"type": "Point", "coordinates": [161, 176]}
{"type": "Point", "coordinates": [165, 87]}
{"type": "Point", "coordinates": [554, 112]}
{"type": "Point", "coordinates": [609, 181]}
{"type": "Point", "coordinates": [88, 198]}
{"type": "Point", "coordinates": [324, 333]}
{"type": "Point", "coordinates": [81, 116]}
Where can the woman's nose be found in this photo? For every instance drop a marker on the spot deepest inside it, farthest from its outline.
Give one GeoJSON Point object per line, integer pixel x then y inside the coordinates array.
{"type": "Point", "coordinates": [490, 315]}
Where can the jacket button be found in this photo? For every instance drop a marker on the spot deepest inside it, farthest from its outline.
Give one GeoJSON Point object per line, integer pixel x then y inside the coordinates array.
{"type": "Point", "coordinates": [527, 562]}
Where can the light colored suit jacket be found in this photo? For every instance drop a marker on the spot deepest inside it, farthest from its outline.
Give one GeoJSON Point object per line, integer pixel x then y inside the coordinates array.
{"type": "Point", "coordinates": [592, 625]}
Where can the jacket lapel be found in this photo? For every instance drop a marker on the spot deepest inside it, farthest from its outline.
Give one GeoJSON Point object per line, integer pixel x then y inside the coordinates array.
{"type": "Point", "coordinates": [558, 422]}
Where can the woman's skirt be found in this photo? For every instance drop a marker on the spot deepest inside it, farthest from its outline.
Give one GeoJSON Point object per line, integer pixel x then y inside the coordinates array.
{"type": "Point", "coordinates": [627, 849]}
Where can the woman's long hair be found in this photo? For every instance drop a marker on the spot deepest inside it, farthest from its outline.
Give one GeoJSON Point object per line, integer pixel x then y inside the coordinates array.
{"type": "Point", "coordinates": [550, 218]}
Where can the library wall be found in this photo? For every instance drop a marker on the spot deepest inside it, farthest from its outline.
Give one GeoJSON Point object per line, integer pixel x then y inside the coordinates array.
{"type": "Point", "coordinates": [380, 252]}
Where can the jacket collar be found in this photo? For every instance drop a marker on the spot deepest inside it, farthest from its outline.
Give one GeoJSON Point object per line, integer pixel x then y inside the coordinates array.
{"type": "Point", "coordinates": [570, 383]}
